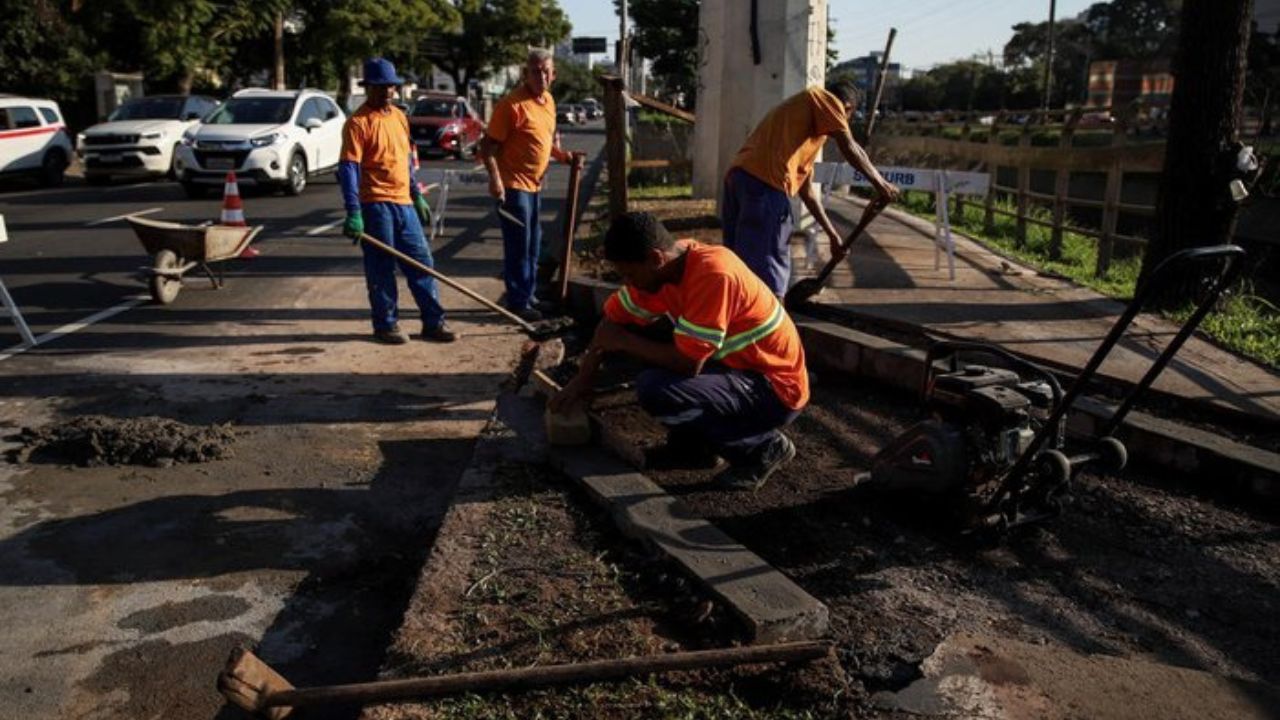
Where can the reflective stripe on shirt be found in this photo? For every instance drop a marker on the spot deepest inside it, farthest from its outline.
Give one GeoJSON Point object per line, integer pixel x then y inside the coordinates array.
{"type": "Point", "coordinates": [746, 339]}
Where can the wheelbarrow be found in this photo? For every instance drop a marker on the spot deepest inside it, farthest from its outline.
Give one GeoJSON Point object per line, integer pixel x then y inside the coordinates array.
{"type": "Point", "coordinates": [176, 249]}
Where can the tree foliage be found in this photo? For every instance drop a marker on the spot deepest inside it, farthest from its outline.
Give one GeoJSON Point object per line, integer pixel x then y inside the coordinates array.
{"type": "Point", "coordinates": [574, 82]}
{"type": "Point", "coordinates": [493, 33]}
{"type": "Point", "coordinates": [666, 34]}
{"type": "Point", "coordinates": [41, 52]}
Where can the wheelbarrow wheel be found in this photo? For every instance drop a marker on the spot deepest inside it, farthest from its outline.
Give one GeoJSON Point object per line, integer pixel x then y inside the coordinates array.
{"type": "Point", "coordinates": [164, 287]}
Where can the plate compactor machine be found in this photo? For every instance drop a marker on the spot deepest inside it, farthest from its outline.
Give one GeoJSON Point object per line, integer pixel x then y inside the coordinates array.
{"type": "Point", "coordinates": [993, 448]}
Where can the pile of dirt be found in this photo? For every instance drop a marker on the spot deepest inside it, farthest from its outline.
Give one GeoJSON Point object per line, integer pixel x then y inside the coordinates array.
{"type": "Point", "coordinates": [92, 440]}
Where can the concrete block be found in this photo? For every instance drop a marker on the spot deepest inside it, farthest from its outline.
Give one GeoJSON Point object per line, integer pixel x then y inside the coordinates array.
{"type": "Point", "coordinates": [771, 607]}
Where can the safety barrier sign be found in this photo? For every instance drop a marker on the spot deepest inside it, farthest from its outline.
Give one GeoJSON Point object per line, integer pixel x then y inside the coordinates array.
{"type": "Point", "coordinates": [942, 183]}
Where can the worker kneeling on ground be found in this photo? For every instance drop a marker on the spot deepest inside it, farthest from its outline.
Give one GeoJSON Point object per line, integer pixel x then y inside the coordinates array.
{"type": "Point", "coordinates": [734, 373]}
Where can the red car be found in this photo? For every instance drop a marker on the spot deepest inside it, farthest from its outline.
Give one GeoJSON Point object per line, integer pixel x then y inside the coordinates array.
{"type": "Point", "coordinates": [443, 124]}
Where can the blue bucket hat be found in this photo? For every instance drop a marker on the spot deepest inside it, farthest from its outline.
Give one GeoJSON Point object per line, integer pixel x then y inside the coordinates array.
{"type": "Point", "coordinates": [380, 71]}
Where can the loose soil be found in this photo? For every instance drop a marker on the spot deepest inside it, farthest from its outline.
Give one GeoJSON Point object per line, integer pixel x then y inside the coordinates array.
{"type": "Point", "coordinates": [554, 582]}
{"type": "Point", "coordinates": [1140, 567]}
{"type": "Point", "coordinates": [93, 440]}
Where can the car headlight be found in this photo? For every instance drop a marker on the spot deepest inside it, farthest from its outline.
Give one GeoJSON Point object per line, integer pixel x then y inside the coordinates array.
{"type": "Point", "coordinates": [152, 135]}
{"type": "Point", "coordinates": [452, 129]}
{"type": "Point", "coordinates": [265, 140]}
{"type": "Point", "coordinates": [188, 139]}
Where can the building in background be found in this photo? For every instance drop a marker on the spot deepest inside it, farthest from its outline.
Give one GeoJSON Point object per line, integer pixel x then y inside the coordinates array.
{"type": "Point", "coordinates": [866, 70]}
{"type": "Point", "coordinates": [1118, 83]}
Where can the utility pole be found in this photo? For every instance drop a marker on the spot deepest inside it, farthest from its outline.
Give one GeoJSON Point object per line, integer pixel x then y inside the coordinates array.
{"type": "Point", "coordinates": [1048, 61]}
{"type": "Point", "coordinates": [622, 42]}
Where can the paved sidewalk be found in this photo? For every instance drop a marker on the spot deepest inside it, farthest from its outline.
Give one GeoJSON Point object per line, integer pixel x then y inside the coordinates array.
{"type": "Point", "coordinates": [1048, 320]}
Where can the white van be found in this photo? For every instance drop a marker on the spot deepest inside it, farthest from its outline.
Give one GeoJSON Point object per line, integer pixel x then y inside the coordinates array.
{"type": "Point", "coordinates": [33, 139]}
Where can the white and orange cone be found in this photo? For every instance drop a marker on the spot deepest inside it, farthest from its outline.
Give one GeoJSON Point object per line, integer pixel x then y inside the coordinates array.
{"type": "Point", "coordinates": [233, 211]}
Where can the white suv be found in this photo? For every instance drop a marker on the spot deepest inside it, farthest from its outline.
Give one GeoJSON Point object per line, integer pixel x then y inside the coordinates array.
{"type": "Point", "coordinates": [33, 139]}
{"type": "Point", "coordinates": [268, 137]}
{"type": "Point", "coordinates": [141, 136]}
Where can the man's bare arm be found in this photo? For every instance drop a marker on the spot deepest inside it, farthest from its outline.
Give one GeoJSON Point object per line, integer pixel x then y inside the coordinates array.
{"type": "Point", "coordinates": [858, 158]}
{"type": "Point", "coordinates": [809, 196]}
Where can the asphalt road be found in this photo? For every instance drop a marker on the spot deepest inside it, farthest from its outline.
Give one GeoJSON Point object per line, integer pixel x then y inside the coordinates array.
{"type": "Point", "coordinates": [124, 587]}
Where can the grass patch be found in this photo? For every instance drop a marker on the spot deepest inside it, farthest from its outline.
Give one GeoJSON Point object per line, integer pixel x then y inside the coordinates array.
{"type": "Point", "coordinates": [660, 192]}
{"type": "Point", "coordinates": [1243, 322]}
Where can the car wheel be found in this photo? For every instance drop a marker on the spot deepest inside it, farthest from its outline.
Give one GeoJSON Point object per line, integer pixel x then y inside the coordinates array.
{"type": "Point", "coordinates": [173, 163]}
{"type": "Point", "coordinates": [193, 190]}
{"type": "Point", "coordinates": [53, 168]}
{"type": "Point", "coordinates": [297, 180]}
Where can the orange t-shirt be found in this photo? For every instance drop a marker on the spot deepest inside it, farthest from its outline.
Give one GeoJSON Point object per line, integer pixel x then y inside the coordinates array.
{"type": "Point", "coordinates": [783, 147]}
{"type": "Point", "coordinates": [722, 311]}
{"type": "Point", "coordinates": [526, 128]}
{"type": "Point", "coordinates": [378, 140]}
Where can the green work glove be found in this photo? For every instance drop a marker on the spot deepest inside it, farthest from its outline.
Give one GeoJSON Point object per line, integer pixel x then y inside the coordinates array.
{"type": "Point", "coordinates": [423, 208]}
{"type": "Point", "coordinates": [354, 226]}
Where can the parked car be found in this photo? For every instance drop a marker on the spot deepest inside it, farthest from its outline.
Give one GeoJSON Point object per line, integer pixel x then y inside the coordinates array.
{"type": "Point", "coordinates": [274, 138]}
{"type": "Point", "coordinates": [592, 108]}
{"type": "Point", "coordinates": [568, 114]}
{"type": "Point", "coordinates": [33, 139]}
{"type": "Point", "coordinates": [141, 137]}
{"type": "Point", "coordinates": [443, 124]}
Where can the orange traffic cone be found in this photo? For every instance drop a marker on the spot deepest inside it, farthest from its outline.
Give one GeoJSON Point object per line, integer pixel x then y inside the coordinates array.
{"type": "Point", "coordinates": [233, 211]}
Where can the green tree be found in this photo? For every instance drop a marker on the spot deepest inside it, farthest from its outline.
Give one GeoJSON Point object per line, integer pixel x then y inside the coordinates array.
{"type": "Point", "coordinates": [1072, 51]}
{"type": "Point", "coordinates": [922, 92]}
{"type": "Point", "coordinates": [42, 52]}
{"type": "Point", "coordinates": [1133, 29]}
{"type": "Point", "coordinates": [666, 33]}
{"type": "Point", "coordinates": [574, 82]}
{"type": "Point", "coordinates": [492, 34]}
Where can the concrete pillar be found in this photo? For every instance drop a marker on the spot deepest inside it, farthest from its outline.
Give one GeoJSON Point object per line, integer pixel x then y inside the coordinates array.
{"type": "Point", "coordinates": [734, 92]}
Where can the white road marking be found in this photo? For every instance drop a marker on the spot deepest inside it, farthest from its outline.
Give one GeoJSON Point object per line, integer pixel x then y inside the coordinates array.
{"type": "Point", "coordinates": [324, 228]}
{"type": "Point", "coordinates": [104, 221]}
{"type": "Point", "coordinates": [118, 188]}
{"type": "Point", "coordinates": [69, 328]}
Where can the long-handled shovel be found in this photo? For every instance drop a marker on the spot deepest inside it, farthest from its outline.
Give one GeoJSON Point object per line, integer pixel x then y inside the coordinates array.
{"type": "Point", "coordinates": [541, 330]}
{"type": "Point", "coordinates": [251, 684]}
{"type": "Point", "coordinates": [803, 291]}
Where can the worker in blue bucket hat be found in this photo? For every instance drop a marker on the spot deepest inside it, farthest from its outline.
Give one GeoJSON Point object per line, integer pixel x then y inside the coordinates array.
{"type": "Point", "coordinates": [382, 200]}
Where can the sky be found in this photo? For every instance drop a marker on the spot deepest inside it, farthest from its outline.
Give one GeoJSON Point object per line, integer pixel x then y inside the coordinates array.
{"type": "Point", "coordinates": [929, 31]}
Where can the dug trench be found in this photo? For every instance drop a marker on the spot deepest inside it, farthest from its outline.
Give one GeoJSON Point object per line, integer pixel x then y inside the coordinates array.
{"type": "Point", "coordinates": [1136, 571]}
{"type": "Point", "coordinates": [1137, 568]}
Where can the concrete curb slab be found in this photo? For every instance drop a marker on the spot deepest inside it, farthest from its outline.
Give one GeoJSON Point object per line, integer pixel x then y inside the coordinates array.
{"type": "Point", "coordinates": [769, 604]}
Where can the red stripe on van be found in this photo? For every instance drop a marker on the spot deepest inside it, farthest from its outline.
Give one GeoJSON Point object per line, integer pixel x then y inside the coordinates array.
{"type": "Point", "coordinates": [6, 134]}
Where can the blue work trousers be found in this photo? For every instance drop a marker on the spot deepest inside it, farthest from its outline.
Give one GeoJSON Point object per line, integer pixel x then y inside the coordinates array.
{"type": "Point", "coordinates": [735, 412]}
{"type": "Point", "coordinates": [399, 227]}
{"type": "Point", "coordinates": [521, 247]}
{"type": "Point", "coordinates": [757, 224]}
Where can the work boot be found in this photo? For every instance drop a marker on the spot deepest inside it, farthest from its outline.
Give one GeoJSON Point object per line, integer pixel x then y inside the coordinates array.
{"type": "Point", "coordinates": [754, 474]}
{"type": "Point", "coordinates": [441, 333]}
{"type": "Point", "coordinates": [680, 452]}
{"type": "Point", "coordinates": [528, 314]}
{"type": "Point", "coordinates": [391, 336]}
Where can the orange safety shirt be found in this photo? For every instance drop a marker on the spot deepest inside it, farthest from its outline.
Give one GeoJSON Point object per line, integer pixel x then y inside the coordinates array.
{"type": "Point", "coordinates": [723, 312]}
{"type": "Point", "coordinates": [378, 141]}
{"type": "Point", "coordinates": [525, 126]}
{"type": "Point", "coordinates": [782, 149]}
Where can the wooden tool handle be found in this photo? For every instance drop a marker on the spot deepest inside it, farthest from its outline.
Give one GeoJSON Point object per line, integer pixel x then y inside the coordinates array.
{"type": "Point", "coordinates": [525, 324]}
{"type": "Point", "coordinates": [523, 678]}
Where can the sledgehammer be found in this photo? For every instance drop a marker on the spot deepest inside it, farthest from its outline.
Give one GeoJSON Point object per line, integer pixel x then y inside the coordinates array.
{"type": "Point", "coordinates": [541, 331]}
{"type": "Point", "coordinates": [251, 684]}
